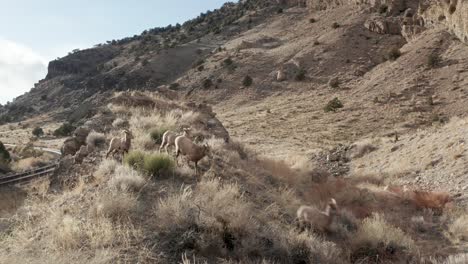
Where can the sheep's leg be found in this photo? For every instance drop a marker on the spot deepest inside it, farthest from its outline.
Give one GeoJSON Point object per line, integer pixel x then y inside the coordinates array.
{"type": "Point", "coordinates": [163, 144]}
{"type": "Point", "coordinates": [177, 157]}
{"type": "Point", "coordinates": [167, 148]}
{"type": "Point", "coordinates": [196, 168]}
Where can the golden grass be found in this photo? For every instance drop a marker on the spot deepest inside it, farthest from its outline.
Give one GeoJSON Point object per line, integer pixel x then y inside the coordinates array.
{"type": "Point", "coordinates": [376, 230]}
{"type": "Point", "coordinates": [126, 179]}
{"type": "Point", "coordinates": [458, 229]}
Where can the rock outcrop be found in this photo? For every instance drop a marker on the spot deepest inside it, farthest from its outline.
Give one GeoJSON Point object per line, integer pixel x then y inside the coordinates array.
{"type": "Point", "coordinates": [453, 14]}
{"type": "Point", "coordinates": [408, 17]}
{"type": "Point", "coordinates": [73, 144]}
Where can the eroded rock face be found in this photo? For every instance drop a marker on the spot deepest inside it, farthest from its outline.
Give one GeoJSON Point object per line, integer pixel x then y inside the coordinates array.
{"type": "Point", "coordinates": [414, 15]}
{"type": "Point", "coordinates": [384, 25]}
{"type": "Point", "coordinates": [453, 14]}
{"type": "Point", "coordinates": [73, 144]}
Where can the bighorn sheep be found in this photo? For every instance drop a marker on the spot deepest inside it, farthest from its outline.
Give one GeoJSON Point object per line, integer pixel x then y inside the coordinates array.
{"type": "Point", "coordinates": [121, 145]}
{"type": "Point", "coordinates": [319, 220]}
{"type": "Point", "coordinates": [169, 137]}
{"type": "Point", "coordinates": [186, 147]}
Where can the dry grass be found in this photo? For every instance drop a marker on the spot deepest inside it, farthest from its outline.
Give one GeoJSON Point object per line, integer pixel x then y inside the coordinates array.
{"type": "Point", "coordinates": [377, 237]}
{"type": "Point", "coordinates": [29, 163]}
{"type": "Point", "coordinates": [126, 179]}
{"type": "Point", "coordinates": [458, 229]}
{"type": "Point", "coordinates": [120, 123]}
{"type": "Point", "coordinates": [118, 206]}
{"type": "Point", "coordinates": [106, 169]}
{"type": "Point", "coordinates": [456, 259]}
{"type": "Point", "coordinates": [95, 139]}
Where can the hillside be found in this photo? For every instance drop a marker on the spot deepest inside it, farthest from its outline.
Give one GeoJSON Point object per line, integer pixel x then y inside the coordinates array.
{"type": "Point", "coordinates": [298, 101]}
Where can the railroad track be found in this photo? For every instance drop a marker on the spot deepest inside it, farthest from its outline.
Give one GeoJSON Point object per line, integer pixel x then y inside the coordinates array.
{"type": "Point", "coordinates": [29, 175]}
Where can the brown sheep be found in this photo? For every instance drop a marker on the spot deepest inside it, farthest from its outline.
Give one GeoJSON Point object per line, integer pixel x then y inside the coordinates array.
{"type": "Point", "coordinates": [168, 138]}
{"type": "Point", "coordinates": [319, 220]}
{"type": "Point", "coordinates": [120, 145]}
{"type": "Point", "coordinates": [192, 151]}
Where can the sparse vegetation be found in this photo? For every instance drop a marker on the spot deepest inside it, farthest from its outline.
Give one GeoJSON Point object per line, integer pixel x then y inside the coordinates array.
{"type": "Point", "coordinates": [38, 132]}
{"type": "Point", "coordinates": [66, 129]}
{"type": "Point", "coordinates": [375, 237]}
{"type": "Point", "coordinates": [228, 61]}
{"type": "Point", "coordinates": [312, 20]}
{"type": "Point", "coordinates": [247, 81]}
{"type": "Point", "coordinates": [433, 60]}
{"type": "Point", "coordinates": [158, 164]}
{"type": "Point", "coordinates": [207, 83]}
{"type": "Point", "coordinates": [95, 139]}
{"type": "Point", "coordinates": [4, 154]}
{"type": "Point", "coordinates": [334, 82]}
{"type": "Point", "coordinates": [135, 159]}
{"type": "Point", "coordinates": [300, 75]}
{"type": "Point", "coordinates": [383, 9]}
{"type": "Point", "coordinates": [157, 133]}
{"type": "Point", "coordinates": [151, 164]}
{"type": "Point", "coordinates": [333, 105]}
{"type": "Point", "coordinates": [393, 54]}
{"type": "Point", "coordinates": [335, 25]}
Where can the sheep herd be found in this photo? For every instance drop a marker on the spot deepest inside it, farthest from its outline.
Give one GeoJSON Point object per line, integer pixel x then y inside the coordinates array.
{"type": "Point", "coordinates": [307, 216]}
{"type": "Point", "coordinates": [183, 146]}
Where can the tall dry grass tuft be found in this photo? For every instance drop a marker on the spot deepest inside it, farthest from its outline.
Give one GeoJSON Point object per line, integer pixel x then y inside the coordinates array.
{"type": "Point", "coordinates": [106, 169]}
{"type": "Point", "coordinates": [458, 229]}
{"type": "Point", "coordinates": [95, 139]}
{"type": "Point", "coordinates": [118, 206]}
{"type": "Point", "coordinates": [126, 179]}
{"type": "Point", "coordinates": [377, 239]}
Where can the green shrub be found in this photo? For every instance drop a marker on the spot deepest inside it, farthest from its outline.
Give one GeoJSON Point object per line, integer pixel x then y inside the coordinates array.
{"type": "Point", "coordinates": [157, 134]}
{"type": "Point", "coordinates": [300, 75]}
{"type": "Point", "coordinates": [383, 9]}
{"type": "Point", "coordinates": [156, 164]}
{"type": "Point", "coordinates": [207, 83]}
{"type": "Point", "coordinates": [333, 105]}
{"type": "Point", "coordinates": [228, 61]}
{"type": "Point", "coordinates": [4, 154]}
{"type": "Point", "coordinates": [393, 54]}
{"type": "Point", "coordinates": [38, 132]}
{"type": "Point", "coordinates": [135, 159]}
{"type": "Point", "coordinates": [432, 60]}
{"type": "Point", "coordinates": [247, 81]}
{"type": "Point", "coordinates": [66, 129]}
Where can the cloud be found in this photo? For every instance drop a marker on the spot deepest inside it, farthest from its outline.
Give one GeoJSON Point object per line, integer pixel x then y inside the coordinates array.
{"type": "Point", "coordinates": [20, 68]}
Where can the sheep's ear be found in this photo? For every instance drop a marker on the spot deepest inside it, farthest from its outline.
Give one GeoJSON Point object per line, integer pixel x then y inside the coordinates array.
{"type": "Point", "coordinates": [333, 202]}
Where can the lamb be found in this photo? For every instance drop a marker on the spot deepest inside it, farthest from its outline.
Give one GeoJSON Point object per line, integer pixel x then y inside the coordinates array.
{"type": "Point", "coordinates": [169, 137]}
{"type": "Point", "coordinates": [121, 145]}
{"type": "Point", "coordinates": [194, 153]}
{"type": "Point", "coordinates": [308, 216]}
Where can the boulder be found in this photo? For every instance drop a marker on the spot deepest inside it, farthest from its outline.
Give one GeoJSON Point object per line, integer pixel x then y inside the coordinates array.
{"type": "Point", "coordinates": [70, 146]}
{"type": "Point", "coordinates": [281, 76]}
{"type": "Point", "coordinates": [383, 25]}
{"type": "Point", "coordinates": [81, 134]}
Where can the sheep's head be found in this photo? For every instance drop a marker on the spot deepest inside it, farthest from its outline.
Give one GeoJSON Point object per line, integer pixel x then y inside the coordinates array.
{"type": "Point", "coordinates": [207, 150]}
{"type": "Point", "coordinates": [332, 207]}
{"type": "Point", "coordinates": [127, 133]}
{"type": "Point", "coordinates": [187, 130]}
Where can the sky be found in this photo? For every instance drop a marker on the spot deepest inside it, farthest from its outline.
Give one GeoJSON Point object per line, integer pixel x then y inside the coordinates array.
{"type": "Point", "coordinates": [34, 32]}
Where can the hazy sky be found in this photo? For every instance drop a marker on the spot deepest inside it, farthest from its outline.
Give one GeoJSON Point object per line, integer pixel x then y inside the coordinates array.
{"type": "Point", "coordinates": [33, 32]}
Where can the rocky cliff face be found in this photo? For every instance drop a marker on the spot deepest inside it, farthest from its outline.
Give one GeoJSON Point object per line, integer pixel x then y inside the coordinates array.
{"type": "Point", "coordinates": [452, 14]}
